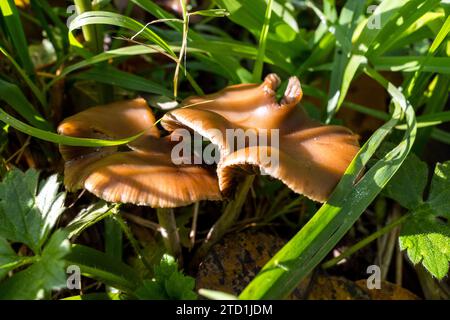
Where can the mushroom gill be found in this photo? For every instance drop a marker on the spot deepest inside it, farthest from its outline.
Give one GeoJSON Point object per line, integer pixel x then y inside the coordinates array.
{"type": "Point", "coordinates": [145, 174]}
{"type": "Point", "coordinates": [310, 158]}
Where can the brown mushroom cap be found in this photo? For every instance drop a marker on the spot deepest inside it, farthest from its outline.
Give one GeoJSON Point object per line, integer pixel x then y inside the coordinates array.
{"type": "Point", "coordinates": [312, 157]}
{"type": "Point", "coordinates": [146, 175]}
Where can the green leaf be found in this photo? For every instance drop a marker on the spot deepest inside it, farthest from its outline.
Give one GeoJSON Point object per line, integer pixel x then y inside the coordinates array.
{"type": "Point", "coordinates": [410, 64]}
{"type": "Point", "coordinates": [394, 30]}
{"type": "Point", "coordinates": [12, 95]}
{"type": "Point", "coordinates": [259, 63]}
{"type": "Point", "coordinates": [408, 184]}
{"type": "Point", "coordinates": [436, 103]}
{"type": "Point", "coordinates": [47, 274]}
{"type": "Point", "coordinates": [230, 66]}
{"type": "Point", "coordinates": [439, 198]}
{"type": "Point", "coordinates": [151, 290]}
{"type": "Point", "coordinates": [7, 256]}
{"type": "Point", "coordinates": [16, 33]}
{"type": "Point", "coordinates": [36, 91]}
{"type": "Point", "coordinates": [27, 213]}
{"type": "Point", "coordinates": [104, 56]}
{"type": "Point", "coordinates": [60, 139]}
{"type": "Point", "coordinates": [115, 19]}
{"type": "Point", "coordinates": [427, 240]}
{"type": "Point", "coordinates": [216, 13]}
{"type": "Point", "coordinates": [385, 12]}
{"type": "Point", "coordinates": [180, 287]}
{"type": "Point", "coordinates": [284, 32]}
{"type": "Point", "coordinates": [87, 217]}
{"type": "Point", "coordinates": [345, 66]}
{"type": "Point", "coordinates": [123, 79]}
{"type": "Point", "coordinates": [168, 283]}
{"type": "Point", "coordinates": [101, 266]}
{"type": "Point", "coordinates": [166, 268]}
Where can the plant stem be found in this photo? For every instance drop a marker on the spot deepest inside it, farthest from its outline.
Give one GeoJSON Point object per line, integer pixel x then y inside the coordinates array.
{"type": "Point", "coordinates": [226, 220]}
{"type": "Point", "coordinates": [126, 230]}
{"type": "Point", "coordinates": [89, 31]}
{"type": "Point", "coordinates": [193, 232]}
{"type": "Point", "coordinates": [361, 244]}
{"type": "Point", "coordinates": [113, 243]}
{"type": "Point", "coordinates": [169, 232]}
{"type": "Point", "coordinates": [93, 36]}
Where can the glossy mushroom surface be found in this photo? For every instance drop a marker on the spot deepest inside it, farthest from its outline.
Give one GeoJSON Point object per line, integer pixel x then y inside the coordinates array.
{"type": "Point", "coordinates": [144, 173]}
{"type": "Point", "coordinates": [310, 157]}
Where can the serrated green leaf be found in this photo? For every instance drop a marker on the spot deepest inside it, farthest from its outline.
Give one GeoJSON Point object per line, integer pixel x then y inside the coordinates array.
{"type": "Point", "coordinates": [27, 213]}
{"type": "Point", "coordinates": [180, 287]}
{"type": "Point", "coordinates": [151, 290]}
{"type": "Point", "coordinates": [439, 199]}
{"type": "Point", "coordinates": [166, 268]}
{"type": "Point", "coordinates": [408, 184]}
{"type": "Point", "coordinates": [168, 283]}
{"type": "Point", "coordinates": [7, 255]}
{"type": "Point", "coordinates": [427, 240]}
{"type": "Point", "coordinates": [48, 273]}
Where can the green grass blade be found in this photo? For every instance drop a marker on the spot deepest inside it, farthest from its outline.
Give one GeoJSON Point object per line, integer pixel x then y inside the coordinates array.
{"type": "Point", "coordinates": [12, 95]}
{"type": "Point", "coordinates": [104, 56]}
{"type": "Point", "coordinates": [344, 66]}
{"type": "Point", "coordinates": [385, 12]}
{"type": "Point", "coordinates": [412, 63]}
{"type": "Point", "coordinates": [429, 120]}
{"type": "Point", "coordinates": [111, 18]}
{"type": "Point", "coordinates": [36, 91]}
{"type": "Point", "coordinates": [441, 135]}
{"type": "Point", "coordinates": [56, 138]}
{"type": "Point", "coordinates": [259, 63]}
{"type": "Point", "coordinates": [436, 103]}
{"type": "Point", "coordinates": [421, 29]}
{"type": "Point", "coordinates": [16, 34]}
{"type": "Point", "coordinates": [100, 266]}
{"type": "Point", "coordinates": [124, 80]}
{"type": "Point", "coordinates": [394, 30]}
{"type": "Point", "coordinates": [39, 13]}
{"type": "Point", "coordinates": [443, 32]}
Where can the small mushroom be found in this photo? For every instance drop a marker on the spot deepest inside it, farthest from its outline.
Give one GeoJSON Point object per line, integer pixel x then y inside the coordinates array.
{"type": "Point", "coordinates": [311, 157]}
{"type": "Point", "coordinates": [141, 173]}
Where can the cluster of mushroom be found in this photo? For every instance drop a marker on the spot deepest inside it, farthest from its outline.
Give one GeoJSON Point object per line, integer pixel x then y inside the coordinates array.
{"type": "Point", "coordinates": [312, 157]}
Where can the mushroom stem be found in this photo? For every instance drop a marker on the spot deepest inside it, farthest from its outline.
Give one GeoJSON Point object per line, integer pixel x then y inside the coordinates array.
{"type": "Point", "coordinates": [227, 219]}
{"type": "Point", "coordinates": [169, 232]}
